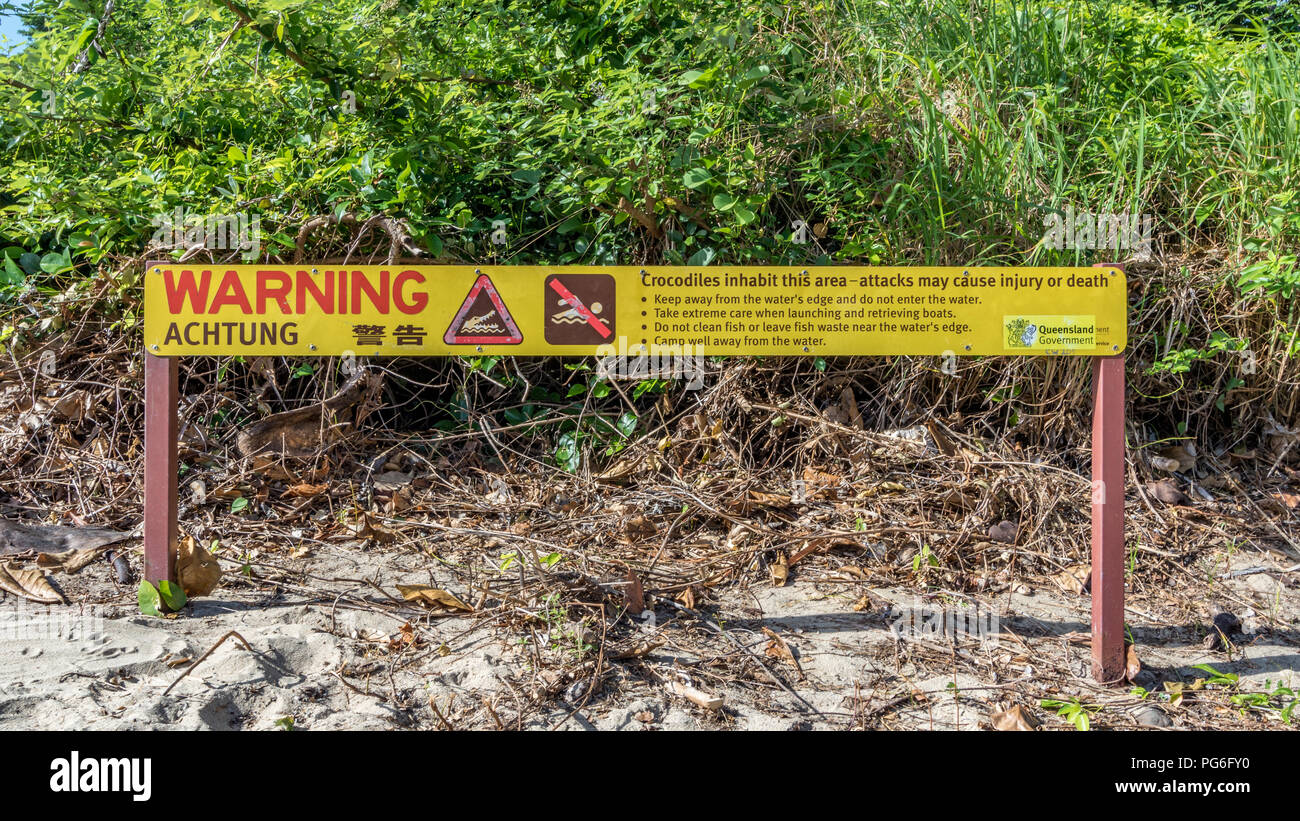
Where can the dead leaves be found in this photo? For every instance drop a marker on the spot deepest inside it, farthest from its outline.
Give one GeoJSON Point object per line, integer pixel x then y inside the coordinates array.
{"type": "Point", "coordinates": [634, 594]}
{"type": "Point", "coordinates": [404, 637]}
{"type": "Point", "coordinates": [74, 405]}
{"type": "Point", "coordinates": [69, 562]}
{"type": "Point", "coordinates": [303, 432]}
{"type": "Point", "coordinates": [1076, 579]}
{"type": "Point", "coordinates": [1166, 491]}
{"type": "Point", "coordinates": [1178, 459]}
{"type": "Point", "coordinates": [1290, 501]}
{"type": "Point", "coordinates": [687, 597]}
{"type": "Point", "coordinates": [368, 527]}
{"type": "Point", "coordinates": [1014, 719]}
{"type": "Point", "coordinates": [56, 547]}
{"type": "Point", "coordinates": [42, 538]}
{"type": "Point", "coordinates": [959, 499]}
{"type": "Point", "coordinates": [29, 584]}
{"type": "Point", "coordinates": [1132, 664]}
{"type": "Point", "coordinates": [433, 597]}
{"type": "Point", "coordinates": [304, 490]}
{"type": "Point", "coordinates": [1004, 532]}
{"type": "Point", "coordinates": [622, 472]}
{"type": "Point", "coordinates": [762, 498]}
{"type": "Point", "coordinates": [778, 649]}
{"type": "Point", "coordinates": [1177, 690]}
{"type": "Point", "coordinates": [196, 569]}
{"type": "Point", "coordinates": [819, 484]}
{"type": "Point", "coordinates": [780, 570]}
{"type": "Point", "coordinates": [882, 487]}
{"type": "Point", "coordinates": [638, 528]}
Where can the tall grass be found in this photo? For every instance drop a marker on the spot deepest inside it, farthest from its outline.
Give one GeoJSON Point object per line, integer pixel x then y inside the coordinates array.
{"type": "Point", "coordinates": [996, 112]}
{"type": "Point", "coordinates": [988, 115]}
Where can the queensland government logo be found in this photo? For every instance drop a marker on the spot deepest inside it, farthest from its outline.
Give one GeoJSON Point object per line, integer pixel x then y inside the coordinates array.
{"type": "Point", "coordinates": [1053, 332]}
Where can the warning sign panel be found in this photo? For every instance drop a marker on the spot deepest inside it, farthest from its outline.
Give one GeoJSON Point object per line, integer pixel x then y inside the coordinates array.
{"type": "Point", "coordinates": [195, 308]}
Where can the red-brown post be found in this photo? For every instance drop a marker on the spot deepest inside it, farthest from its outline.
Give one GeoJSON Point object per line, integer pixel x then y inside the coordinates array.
{"type": "Point", "coordinates": [1108, 517]}
{"type": "Point", "coordinates": [160, 532]}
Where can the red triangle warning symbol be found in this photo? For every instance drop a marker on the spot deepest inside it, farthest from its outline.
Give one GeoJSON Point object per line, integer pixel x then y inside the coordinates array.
{"type": "Point", "coordinates": [483, 319]}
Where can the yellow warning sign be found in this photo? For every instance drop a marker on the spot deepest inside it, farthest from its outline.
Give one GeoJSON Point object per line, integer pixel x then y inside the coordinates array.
{"type": "Point", "coordinates": [320, 309]}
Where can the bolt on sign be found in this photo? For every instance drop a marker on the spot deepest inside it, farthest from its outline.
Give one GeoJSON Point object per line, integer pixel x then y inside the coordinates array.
{"type": "Point", "coordinates": [562, 310]}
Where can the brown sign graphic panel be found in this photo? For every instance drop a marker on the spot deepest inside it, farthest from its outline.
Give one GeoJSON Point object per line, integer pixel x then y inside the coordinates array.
{"type": "Point", "coordinates": [579, 309]}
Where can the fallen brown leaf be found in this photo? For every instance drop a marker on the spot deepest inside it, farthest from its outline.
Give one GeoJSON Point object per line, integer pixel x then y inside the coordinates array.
{"type": "Point", "coordinates": [29, 584]}
{"type": "Point", "coordinates": [302, 432]}
{"type": "Point", "coordinates": [1132, 664]}
{"type": "Point", "coordinates": [769, 499]}
{"type": "Point", "coordinates": [1004, 532]}
{"type": "Point", "coordinates": [69, 562]}
{"type": "Point", "coordinates": [405, 636]}
{"type": "Point", "coordinates": [1014, 719]}
{"type": "Point", "coordinates": [1290, 500]}
{"type": "Point", "coordinates": [819, 483]}
{"type": "Point", "coordinates": [1184, 455]}
{"type": "Point", "coordinates": [958, 499]}
{"type": "Point", "coordinates": [368, 528]}
{"type": "Point", "coordinates": [304, 491]}
{"type": "Point", "coordinates": [621, 471]}
{"type": "Point", "coordinates": [1166, 490]}
{"type": "Point", "coordinates": [638, 528]}
{"type": "Point", "coordinates": [634, 594]}
{"type": "Point", "coordinates": [425, 594]}
{"type": "Point", "coordinates": [687, 598]}
{"type": "Point", "coordinates": [778, 649]}
{"type": "Point", "coordinates": [73, 405]}
{"type": "Point", "coordinates": [780, 570]}
{"type": "Point", "coordinates": [392, 480]}
{"type": "Point", "coordinates": [41, 538]}
{"type": "Point", "coordinates": [1074, 579]}
{"type": "Point", "coordinates": [197, 570]}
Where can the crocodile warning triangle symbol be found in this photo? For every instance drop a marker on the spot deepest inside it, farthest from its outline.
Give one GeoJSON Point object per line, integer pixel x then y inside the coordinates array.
{"type": "Point", "coordinates": [483, 319]}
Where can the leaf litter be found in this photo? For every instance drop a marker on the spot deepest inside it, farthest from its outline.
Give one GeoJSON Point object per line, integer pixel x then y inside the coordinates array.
{"type": "Point", "coordinates": [610, 583]}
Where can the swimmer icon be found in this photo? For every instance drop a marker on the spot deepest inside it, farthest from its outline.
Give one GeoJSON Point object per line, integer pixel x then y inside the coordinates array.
{"type": "Point", "coordinates": [579, 309]}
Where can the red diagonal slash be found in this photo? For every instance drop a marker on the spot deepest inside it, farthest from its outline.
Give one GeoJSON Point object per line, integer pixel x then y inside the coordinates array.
{"type": "Point", "coordinates": [577, 305]}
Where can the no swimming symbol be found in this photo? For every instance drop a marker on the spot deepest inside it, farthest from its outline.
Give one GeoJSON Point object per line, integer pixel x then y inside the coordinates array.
{"type": "Point", "coordinates": [579, 308]}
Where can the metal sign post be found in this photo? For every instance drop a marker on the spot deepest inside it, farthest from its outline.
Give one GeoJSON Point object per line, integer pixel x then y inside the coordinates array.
{"type": "Point", "coordinates": [160, 529]}
{"type": "Point", "coordinates": [193, 309]}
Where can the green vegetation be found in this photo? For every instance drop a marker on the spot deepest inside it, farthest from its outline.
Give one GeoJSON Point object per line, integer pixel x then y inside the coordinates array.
{"type": "Point", "coordinates": [1073, 711]}
{"type": "Point", "coordinates": [692, 131]}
